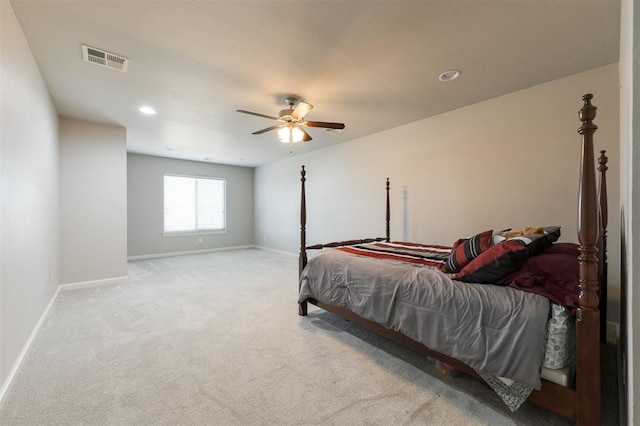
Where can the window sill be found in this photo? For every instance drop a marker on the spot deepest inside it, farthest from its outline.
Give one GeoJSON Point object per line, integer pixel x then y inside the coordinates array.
{"type": "Point", "coordinates": [193, 233]}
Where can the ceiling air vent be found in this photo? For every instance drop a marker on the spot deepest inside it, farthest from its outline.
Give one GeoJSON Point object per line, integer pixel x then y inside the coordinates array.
{"type": "Point", "coordinates": [104, 58]}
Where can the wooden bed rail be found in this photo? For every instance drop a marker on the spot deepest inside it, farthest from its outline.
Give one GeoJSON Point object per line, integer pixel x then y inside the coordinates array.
{"type": "Point", "coordinates": [303, 259]}
{"type": "Point", "coordinates": [345, 243]}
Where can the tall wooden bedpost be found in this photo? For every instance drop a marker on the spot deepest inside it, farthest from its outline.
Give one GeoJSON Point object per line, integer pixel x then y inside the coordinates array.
{"type": "Point", "coordinates": [604, 217]}
{"type": "Point", "coordinates": [388, 219]}
{"type": "Point", "coordinates": [588, 316]}
{"type": "Point", "coordinates": [302, 260]}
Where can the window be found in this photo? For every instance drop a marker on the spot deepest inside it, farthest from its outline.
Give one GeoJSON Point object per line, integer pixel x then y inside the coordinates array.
{"type": "Point", "coordinates": [194, 204]}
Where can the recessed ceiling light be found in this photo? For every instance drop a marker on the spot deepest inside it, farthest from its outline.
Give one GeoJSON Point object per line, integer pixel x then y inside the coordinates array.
{"type": "Point", "coordinates": [147, 110]}
{"type": "Point", "coordinates": [449, 75]}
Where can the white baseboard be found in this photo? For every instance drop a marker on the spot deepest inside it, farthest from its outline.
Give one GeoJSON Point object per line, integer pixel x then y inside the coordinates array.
{"type": "Point", "coordinates": [94, 283]}
{"type": "Point", "coordinates": [276, 251]}
{"type": "Point", "coordinates": [184, 253]}
{"type": "Point", "coordinates": [16, 365]}
{"type": "Point", "coordinates": [36, 329]}
{"type": "Point", "coordinates": [613, 332]}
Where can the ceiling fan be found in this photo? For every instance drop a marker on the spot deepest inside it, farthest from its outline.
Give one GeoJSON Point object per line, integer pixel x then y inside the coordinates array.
{"type": "Point", "coordinates": [292, 123]}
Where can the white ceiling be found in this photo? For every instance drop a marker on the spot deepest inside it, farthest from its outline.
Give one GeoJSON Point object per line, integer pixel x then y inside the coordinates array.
{"type": "Point", "coordinates": [373, 65]}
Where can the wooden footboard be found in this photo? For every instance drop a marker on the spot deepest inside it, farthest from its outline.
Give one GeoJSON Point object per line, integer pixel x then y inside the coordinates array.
{"type": "Point", "coordinates": [583, 403]}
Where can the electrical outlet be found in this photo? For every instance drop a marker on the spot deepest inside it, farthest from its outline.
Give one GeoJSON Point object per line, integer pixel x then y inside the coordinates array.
{"type": "Point", "coordinates": [199, 239]}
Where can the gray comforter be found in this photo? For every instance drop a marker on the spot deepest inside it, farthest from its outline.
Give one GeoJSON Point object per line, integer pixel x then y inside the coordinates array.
{"type": "Point", "coordinates": [498, 330]}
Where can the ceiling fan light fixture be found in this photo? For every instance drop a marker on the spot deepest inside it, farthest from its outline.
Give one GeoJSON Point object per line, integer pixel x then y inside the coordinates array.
{"type": "Point", "coordinates": [290, 133]}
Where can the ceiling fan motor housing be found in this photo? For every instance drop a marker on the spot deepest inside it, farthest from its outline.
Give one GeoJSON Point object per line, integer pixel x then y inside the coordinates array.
{"type": "Point", "coordinates": [285, 115]}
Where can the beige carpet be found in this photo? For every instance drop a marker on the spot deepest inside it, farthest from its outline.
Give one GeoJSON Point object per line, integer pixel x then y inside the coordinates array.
{"type": "Point", "coordinates": [216, 339]}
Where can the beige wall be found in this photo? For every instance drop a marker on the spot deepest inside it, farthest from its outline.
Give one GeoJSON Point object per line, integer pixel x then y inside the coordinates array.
{"type": "Point", "coordinates": [145, 211]}
{"type": "Point", "coordinates": [506, 162]}
{"type": "Point", "coordinates": [28, 194]}
{"type": "Point", "coordinates": [93, 202]}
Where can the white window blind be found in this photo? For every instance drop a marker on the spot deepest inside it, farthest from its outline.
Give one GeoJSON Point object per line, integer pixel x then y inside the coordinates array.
{"type": "Point", "coordinates": [193, 204]}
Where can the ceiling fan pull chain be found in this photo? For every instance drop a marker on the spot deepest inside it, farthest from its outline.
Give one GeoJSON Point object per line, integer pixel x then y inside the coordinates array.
{"type": "Point", "coordinates": [290, 140]}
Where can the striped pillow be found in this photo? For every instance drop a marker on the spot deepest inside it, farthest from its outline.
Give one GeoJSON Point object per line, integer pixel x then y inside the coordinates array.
{"type": "Point", "coordinates": [466, 249]}
{"type": "Point", "coordinates": [494, 264]}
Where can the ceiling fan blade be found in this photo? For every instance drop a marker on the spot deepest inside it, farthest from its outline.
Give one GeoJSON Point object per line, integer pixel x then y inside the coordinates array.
{"type": "Point", "coordinates": [325, 124]}
{"type": "Point", "coordinates": [258, 114]}
{"type": "Point", "coordinates": [301, 110]}
{"type": "Point", "coordinates": [305, 136]}
{"type": "Point", "coordinates": [259, 132]}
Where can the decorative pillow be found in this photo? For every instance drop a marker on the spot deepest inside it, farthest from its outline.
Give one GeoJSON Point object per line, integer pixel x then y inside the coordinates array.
{"type": "Point", "coordinates": [466, 249]}
{"type": "Point", "coordinates": [560, 347]}
{"type": "Point", "coordinates": [553, 274]}
{"type": "Point", "coordinates": [563, 248]}
{"type": "Point", "coordinates": [495, 263]}
{"type": "Point", "coordinates": [537, 243]}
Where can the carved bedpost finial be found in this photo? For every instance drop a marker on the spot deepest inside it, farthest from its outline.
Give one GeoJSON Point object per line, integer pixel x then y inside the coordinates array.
{"type": "Point", "coordinates": [602, 160]}
{"type": "Point", "coordinates": [587, 113]}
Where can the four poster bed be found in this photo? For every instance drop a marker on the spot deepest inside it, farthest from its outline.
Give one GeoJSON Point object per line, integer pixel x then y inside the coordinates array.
{"type": "Point", "coordinates": [429, 298]}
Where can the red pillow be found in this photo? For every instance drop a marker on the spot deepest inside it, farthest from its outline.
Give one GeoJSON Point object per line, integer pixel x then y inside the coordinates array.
{"type": "Point", "coordinates": [495, 263]}
{"type": "Point", "coordinates": [563, 248]}
{"type": "Point", "coordinates": [553, 274]}
{"type": "Point", "coordinates": [466, 249]}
